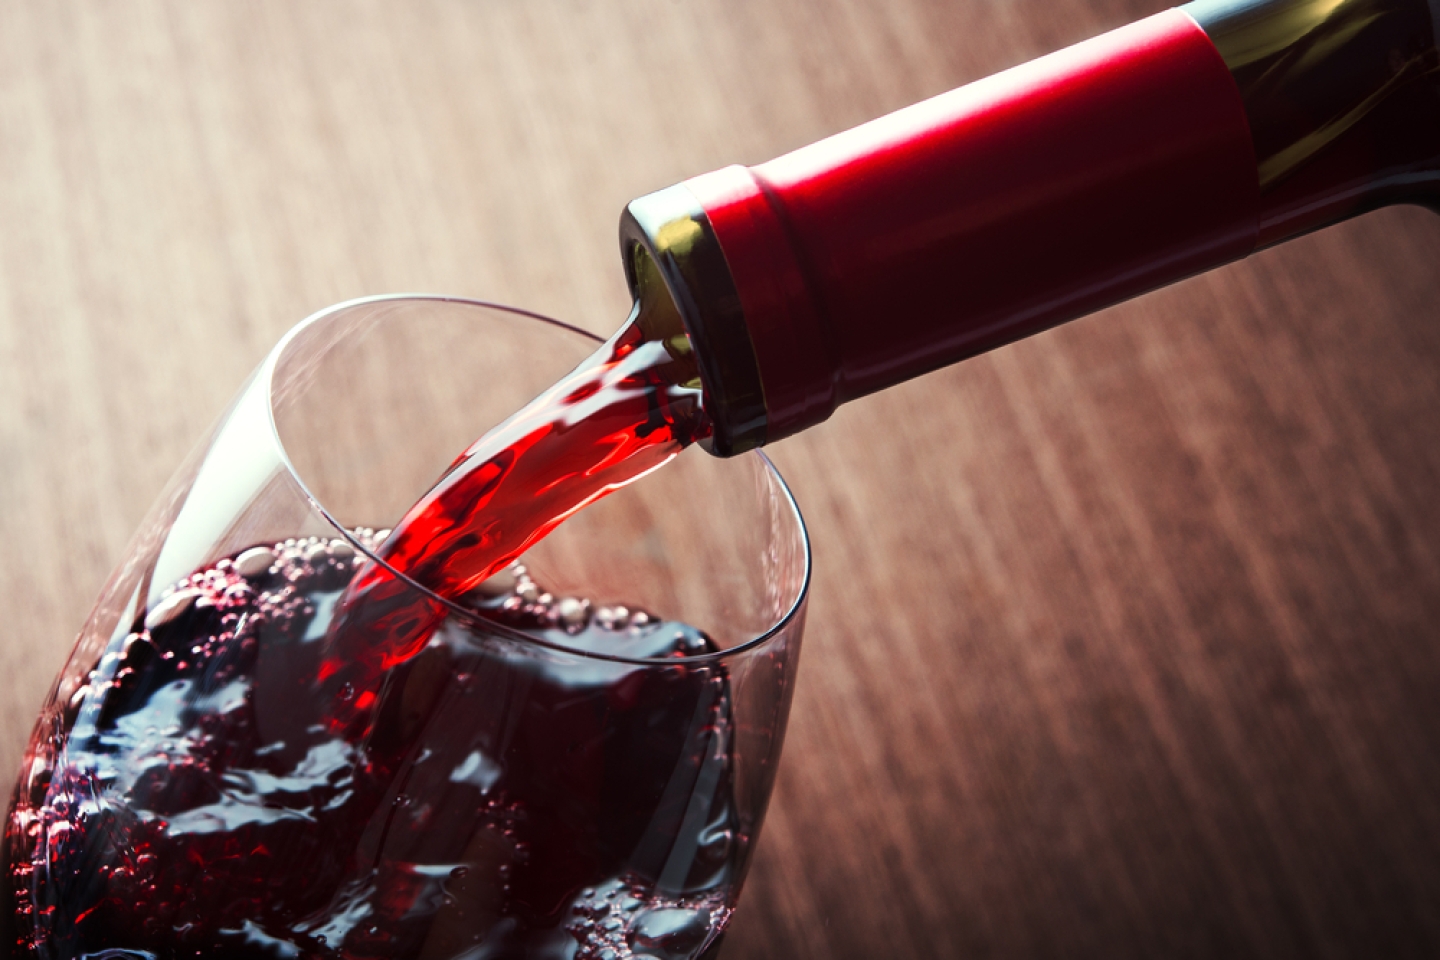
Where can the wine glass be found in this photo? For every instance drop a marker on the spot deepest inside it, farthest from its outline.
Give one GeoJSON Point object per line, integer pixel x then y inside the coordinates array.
{"type": "Point", "coordinates": [576, 764]}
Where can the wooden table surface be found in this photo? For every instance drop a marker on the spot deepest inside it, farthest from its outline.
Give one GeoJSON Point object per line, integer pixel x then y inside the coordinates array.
{"type": "Point", "coordinates": [1125, 645]}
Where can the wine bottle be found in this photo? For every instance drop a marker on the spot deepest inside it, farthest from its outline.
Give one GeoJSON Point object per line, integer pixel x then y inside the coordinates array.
{"type": "Point", "coordinates": [1148, 154]}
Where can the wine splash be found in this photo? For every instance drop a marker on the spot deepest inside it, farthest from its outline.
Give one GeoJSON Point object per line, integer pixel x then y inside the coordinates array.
{"type": "Point", "coordinates": [504, 804]}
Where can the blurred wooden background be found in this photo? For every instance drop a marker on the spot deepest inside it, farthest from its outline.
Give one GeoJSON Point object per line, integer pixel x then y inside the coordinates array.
{"type": "Point", "coordinates": [1127, 646]}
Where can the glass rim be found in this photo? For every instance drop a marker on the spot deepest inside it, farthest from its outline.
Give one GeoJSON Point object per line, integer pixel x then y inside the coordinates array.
{"type": "Point", "coordinates": [267, 373]}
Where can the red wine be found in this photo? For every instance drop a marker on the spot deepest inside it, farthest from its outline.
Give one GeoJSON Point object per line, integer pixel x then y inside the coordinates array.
{"type": "Point", "coordinates": [297, 753]}
{"type": "Point", "coordinates": [193, 799]}
{"type": "Point", "coordinates": [621, 414]}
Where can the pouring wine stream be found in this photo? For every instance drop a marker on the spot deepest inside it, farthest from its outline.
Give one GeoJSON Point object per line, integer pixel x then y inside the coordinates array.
{"type": "Point", "coordinates": [624, 412]}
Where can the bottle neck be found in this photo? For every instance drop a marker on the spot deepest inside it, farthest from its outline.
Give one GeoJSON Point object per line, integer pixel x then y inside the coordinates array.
{"type": "Point", "coordinates": [1087, 177]}
{"type": "Point", "coordinates": [1343, 99]}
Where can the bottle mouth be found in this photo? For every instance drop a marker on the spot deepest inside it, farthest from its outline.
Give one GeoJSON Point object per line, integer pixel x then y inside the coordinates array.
{"type": "Point", "coordinates": [682, 285]}
{"type": "Point", "coordinates": [273, 389]}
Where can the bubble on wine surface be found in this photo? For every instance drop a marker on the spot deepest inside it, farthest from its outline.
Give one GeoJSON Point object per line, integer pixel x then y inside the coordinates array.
{"type": "Point", "coordinates": [630, 921]}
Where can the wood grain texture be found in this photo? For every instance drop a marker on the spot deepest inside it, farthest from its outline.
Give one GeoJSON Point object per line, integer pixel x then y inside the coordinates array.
{"type": "Point", "coordinates": [1125, 646]}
